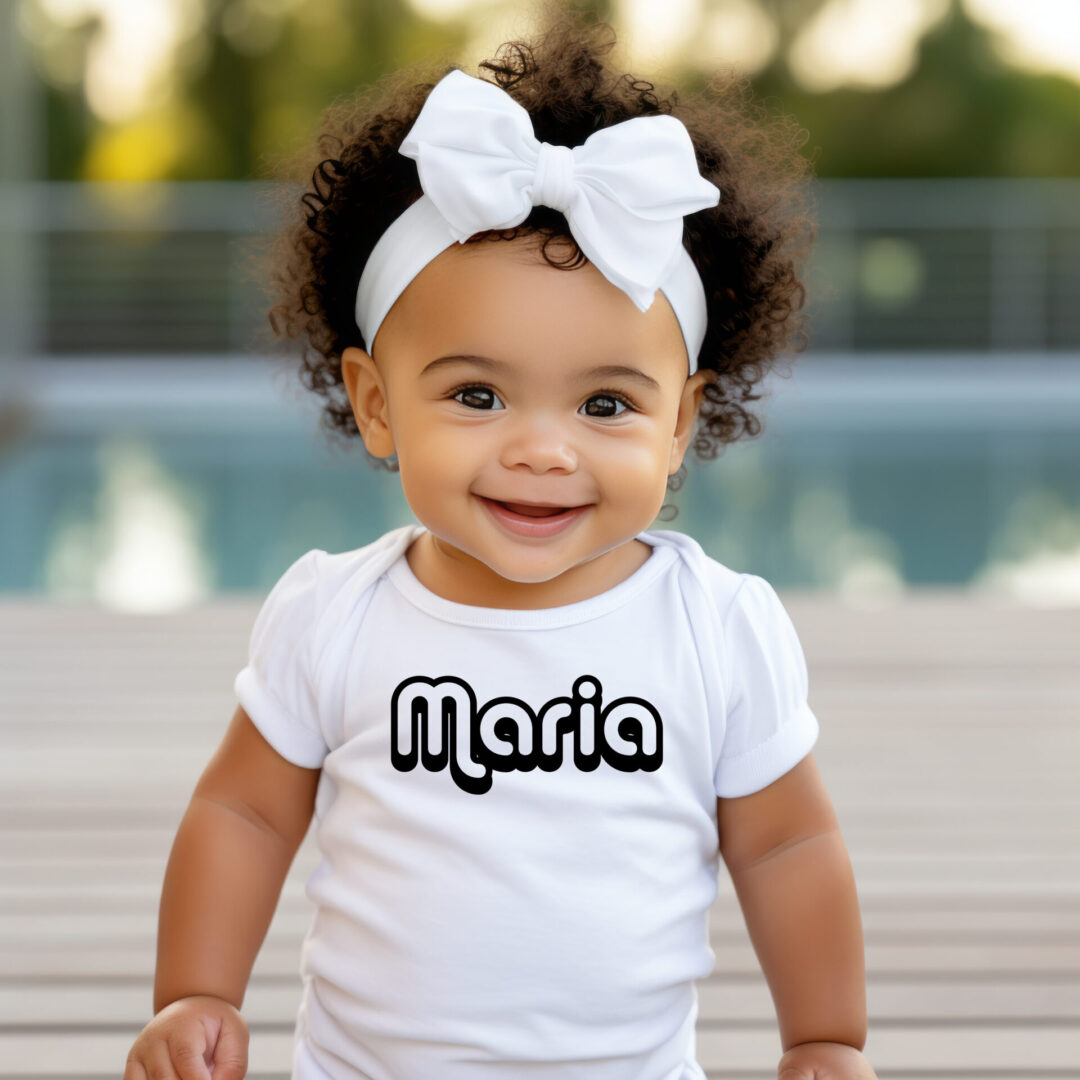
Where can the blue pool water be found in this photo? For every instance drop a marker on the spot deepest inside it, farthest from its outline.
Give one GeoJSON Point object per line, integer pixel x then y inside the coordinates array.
{"type": "Point", "coordinates": [868, 495]}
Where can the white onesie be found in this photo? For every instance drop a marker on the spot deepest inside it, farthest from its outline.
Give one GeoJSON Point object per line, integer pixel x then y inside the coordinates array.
{"type": "Point", "coordinates": [517, 809]}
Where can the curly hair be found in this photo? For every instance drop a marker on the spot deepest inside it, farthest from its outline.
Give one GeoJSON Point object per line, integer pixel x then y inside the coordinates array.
{"type": "Point", "coordinates": [748, 249]}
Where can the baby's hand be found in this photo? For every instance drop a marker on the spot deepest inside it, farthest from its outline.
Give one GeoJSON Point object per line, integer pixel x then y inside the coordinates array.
{"type": "Point", "coordinates": [195, 1038]}
{"type": "Point", "coordinates": [822, 1061]}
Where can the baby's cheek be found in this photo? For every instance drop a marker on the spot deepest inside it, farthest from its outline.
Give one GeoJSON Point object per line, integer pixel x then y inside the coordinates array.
{"type": "Point", "coordinates": [432, 466]}
{"type": "Point", "coordinates": [636, 461]}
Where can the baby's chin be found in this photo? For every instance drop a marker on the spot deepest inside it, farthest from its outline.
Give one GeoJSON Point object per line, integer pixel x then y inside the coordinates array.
{"type": "Point", "coordinates": [508, 565]}
{"type": "Point", "coordinates": [502, 558]}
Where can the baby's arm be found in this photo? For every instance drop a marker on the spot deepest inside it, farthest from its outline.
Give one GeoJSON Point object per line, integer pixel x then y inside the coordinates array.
{"type": "Point", "coordinates": [794, 882]}
{"type": "Point", "coordinates": [247, 817]}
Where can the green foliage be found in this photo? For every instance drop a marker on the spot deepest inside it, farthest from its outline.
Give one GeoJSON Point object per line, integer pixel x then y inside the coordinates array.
{"type": "Point", "coordinates": [253, 85]}
{"type": "Point", "coordinates": [962, 112]}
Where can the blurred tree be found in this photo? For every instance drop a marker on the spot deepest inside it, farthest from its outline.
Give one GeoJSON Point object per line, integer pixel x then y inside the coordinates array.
{"type": "Point", "coordinates": [962, 112]}
{"type": "Point", "coordinates": [251, 83]}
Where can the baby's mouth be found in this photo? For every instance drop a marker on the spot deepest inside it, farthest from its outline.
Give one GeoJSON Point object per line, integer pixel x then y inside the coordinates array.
{"type": "Point", "coordinates": [533, 511]}
{"type": "Point", "coordinates": [525, 510]}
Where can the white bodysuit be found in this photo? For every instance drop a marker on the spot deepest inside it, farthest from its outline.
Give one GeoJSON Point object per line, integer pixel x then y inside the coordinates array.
{"type": "Point", "coordinates": [517, 809]}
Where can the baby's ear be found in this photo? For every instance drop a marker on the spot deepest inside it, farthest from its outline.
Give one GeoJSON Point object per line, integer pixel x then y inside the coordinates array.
{"type": "Point", "coordinates": [367, 396]}
{"type": "Point", "coordinates": [689, 406]}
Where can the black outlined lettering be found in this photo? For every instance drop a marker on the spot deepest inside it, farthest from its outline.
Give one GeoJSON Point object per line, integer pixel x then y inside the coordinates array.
{"type": "Point", "coordinates": [436, 723]}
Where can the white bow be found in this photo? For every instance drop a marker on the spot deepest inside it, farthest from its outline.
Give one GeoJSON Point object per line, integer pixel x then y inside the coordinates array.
{"type": "Point", "coordinates": [624, 191]}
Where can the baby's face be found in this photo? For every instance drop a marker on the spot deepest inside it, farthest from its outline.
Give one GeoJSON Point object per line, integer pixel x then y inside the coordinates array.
{"type": "Point", "coordinates": [487, 383]}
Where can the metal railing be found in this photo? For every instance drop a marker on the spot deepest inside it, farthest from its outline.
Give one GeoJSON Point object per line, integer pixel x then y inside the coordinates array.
{"type": "Point", "coordinates": [899, 266]}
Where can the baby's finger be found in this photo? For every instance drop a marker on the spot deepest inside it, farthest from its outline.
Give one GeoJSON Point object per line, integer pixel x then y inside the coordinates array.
{"type": "Point", "coordinates": [231, 1052]}
{"type": "Point", "coordinates": [133, 1069]}
{"type": "Point", "coordinates": [157, 1061]}
{"type": "Point", "coordinates": [187, 1050]}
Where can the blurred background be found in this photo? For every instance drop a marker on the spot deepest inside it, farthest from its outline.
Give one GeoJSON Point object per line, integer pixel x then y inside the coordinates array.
{"type": "Point", "coordinates": [156, 448]}
{"type": "Point", "coordinates": [914, 494]}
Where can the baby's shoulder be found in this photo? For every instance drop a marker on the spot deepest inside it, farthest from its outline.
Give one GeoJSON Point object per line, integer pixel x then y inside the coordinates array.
{"type": "Point", "coordinates": [371, 560]}
{"type": "Point", "coordinates": [344, 577]}
{"type": "Point", "coordinates": [719, 582]}
{"type": "Point", "coordinates": [737, 612]}
{"type": "Point", "coordinates": [322, 592]}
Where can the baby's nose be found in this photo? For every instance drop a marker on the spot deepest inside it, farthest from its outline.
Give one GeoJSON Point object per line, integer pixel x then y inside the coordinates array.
{"type": "Point", "coordinates": [540, 441]}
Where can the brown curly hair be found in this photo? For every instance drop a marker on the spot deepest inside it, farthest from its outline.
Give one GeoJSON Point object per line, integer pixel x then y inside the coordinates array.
{"type": "Point", "coordinates": [748, 249]}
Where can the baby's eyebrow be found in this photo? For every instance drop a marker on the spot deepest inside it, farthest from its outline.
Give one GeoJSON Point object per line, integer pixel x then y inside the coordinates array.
{"type": "Point", "coordinates": [603, 371]}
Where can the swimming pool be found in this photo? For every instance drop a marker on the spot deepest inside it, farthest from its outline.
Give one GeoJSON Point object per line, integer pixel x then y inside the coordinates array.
{"type": "Point", "coordinates": [150, 487]}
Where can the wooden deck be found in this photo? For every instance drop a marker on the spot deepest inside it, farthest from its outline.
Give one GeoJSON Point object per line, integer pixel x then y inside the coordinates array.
{"type": "Point", "coordinates": [950, 742]}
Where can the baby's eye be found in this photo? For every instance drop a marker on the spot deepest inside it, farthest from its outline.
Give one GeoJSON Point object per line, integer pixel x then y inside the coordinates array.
{"type": "Point", "coordinates": [481, 393]}
{"type": "Point", "coordinates": [479, 397]}
{"type": "Point", "coordinates": [627, 407]}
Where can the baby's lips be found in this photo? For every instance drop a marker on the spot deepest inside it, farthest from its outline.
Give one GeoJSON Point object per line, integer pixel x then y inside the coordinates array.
{"type": "Point", "coordinates": [534, 511]}
{"type": "Point", "coordinates": [531, 509]}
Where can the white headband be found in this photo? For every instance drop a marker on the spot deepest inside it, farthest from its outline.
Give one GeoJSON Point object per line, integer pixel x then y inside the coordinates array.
{"type": "Point", "coordinates": [624, 193]}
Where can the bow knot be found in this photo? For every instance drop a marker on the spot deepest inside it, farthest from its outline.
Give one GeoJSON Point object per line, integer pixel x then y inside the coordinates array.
{"type": "Point", "coordinates": [553, 184]}
{"type": "Point", "coordinates": [624, 191]}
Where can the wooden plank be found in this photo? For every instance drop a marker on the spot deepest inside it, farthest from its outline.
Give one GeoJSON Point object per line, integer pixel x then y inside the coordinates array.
{"type": "Point", "coordinates": [274, 1000]}
{"type": "Point", "coordinates": [967, 858]}
{"type": "Point", "coordinates": [121, 956]}
{"type": "Point", "coordinates": [991, 1050]}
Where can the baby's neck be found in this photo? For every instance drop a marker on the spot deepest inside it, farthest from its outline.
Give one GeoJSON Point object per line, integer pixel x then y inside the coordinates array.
{"type": "Point", "coordinates": [457, 581]}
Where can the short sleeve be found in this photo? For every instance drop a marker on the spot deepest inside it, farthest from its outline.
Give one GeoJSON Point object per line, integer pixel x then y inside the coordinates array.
{"type": "Point", "coordinates": [276, 688]}
{"type": "Point", "coordinates": [769, 725]}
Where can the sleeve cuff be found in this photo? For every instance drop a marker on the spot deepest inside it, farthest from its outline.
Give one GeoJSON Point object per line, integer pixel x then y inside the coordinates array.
{"type": "Point", "coordinates": [768, 761]}
{"type": "Point", "coordinates": [290, 739]}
